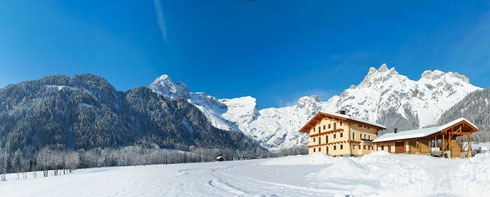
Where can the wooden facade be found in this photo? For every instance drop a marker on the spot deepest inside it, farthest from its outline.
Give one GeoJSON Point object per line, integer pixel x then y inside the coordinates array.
{"type": "Point", "coordinates": [340, 135]}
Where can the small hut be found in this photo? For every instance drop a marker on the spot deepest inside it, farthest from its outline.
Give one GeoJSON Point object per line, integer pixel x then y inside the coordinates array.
{"type": "Point", "coordinates": [220, 158]}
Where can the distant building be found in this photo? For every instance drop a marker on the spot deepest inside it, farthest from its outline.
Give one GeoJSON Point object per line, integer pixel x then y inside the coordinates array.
{"type": "Point", "coordinates": [338, 134]}
{"type": "Point", "coordinates": [220, 158]}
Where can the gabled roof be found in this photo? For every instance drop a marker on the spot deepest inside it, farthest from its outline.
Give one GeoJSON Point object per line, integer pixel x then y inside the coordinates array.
{"type": "Point", "coordinates": [320, 115]}
{"type": "Point", "coordinates": [424, 132]}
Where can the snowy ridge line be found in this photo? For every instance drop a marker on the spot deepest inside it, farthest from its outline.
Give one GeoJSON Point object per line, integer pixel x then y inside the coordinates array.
{"type": "Point", "coordinates": [383, 97]}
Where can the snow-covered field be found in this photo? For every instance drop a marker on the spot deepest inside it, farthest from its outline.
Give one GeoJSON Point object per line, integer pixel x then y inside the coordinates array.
{"type": "Point", "coordinates": [378, 174]}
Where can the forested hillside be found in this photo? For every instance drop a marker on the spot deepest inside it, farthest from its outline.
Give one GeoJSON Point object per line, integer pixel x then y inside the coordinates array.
{"type": "Point", "coordinates": [476, 108]}
{"type": "Point", "coordinates": [86, 112]}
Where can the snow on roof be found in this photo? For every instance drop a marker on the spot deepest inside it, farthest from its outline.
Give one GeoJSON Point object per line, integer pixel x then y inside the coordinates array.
{"type": "Point", "coordinates": [356, 119]}
{"type": "Point", "coordinates": [307, 127]}
{"type": "Point", "coordinates": [418, 133]}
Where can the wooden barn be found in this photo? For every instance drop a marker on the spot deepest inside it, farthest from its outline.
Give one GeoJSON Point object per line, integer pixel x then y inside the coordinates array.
{"type": "Point", "coordinates": [440, 139]}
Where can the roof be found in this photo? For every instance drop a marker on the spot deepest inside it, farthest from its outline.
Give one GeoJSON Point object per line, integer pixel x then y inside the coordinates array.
{"type": "Point", "coordinates": [320, 115]}
{"type": "Point", "coordinates": [418, 133]}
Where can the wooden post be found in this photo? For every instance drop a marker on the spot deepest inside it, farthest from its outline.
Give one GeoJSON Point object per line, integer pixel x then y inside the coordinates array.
{"type": "Point", "coordinates": [470, 149]}
{"type": "Point", "coordinates": [462, 142]}
{"type": "Point", "coordinates": [442, 145]}
{"type": "Point", "coordinates": [418, 148]}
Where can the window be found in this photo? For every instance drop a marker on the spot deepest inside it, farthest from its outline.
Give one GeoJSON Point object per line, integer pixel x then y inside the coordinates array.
{"type": "Point", "coordinates": [359, 147]}
{"type": "Point", "coordinates": [364, 136]}
{"type": "Point", "coordinates": [328, 126]}
{"type": "Point", "coordinates": [353, 136]}
{"type": "Point", "coordinates": [320, 140]}
{"type": "Point", "coordinates": [334, 136]}
{"type": "Point", "coordinates": [323, 127]}
{"type": "Point", "coordinates": [340, 123]}
{"type": "Point", "coordinates": [334, 126]}
{"type": "Point", "coordinates": [334, 147]}
{"type": "Point", "coordinates": [369, 136]}
{"type": "Point", "coordinates": [360, 135]}
{"type": "Point", "coordinates": [313, 129]}
{"type": "Point", "coordinates": [314, 150]}
{"type": "Point", "coordinates": [327, 140]}
{"type": "Point", "coordinates": [314, 139]}
{"type": "Point", "coordinates": [364, 147]}
{"type": "Point", "coordinates": [319, 129]}
{"type": "Point", "coordinates": [341, 134]}
{"type": "Point", "coordinates": [341, 146]}
{"type": "Point", "coordinates": [382, 148]}
{"type": "Point", "coordinates": [319, 149]}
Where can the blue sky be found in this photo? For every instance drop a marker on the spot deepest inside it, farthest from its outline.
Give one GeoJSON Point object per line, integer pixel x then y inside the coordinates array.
{"type": "Point", "coordinates": [275, 51]}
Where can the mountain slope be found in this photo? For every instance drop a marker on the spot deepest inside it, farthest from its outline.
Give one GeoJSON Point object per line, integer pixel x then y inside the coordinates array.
{"type": "Point", "coordinates": [476, 108]}
{"type": "Point", "coordinates": [384, 96]}
{"type": "Point", "coordinates": [85, 112]}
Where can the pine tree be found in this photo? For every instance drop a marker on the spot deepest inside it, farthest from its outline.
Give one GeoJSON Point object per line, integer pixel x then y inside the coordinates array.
{"type": "Point", "coordinates": [8, 165]}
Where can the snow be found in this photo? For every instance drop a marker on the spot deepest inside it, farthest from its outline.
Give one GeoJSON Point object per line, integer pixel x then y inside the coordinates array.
{"type": "Point", "coordinates": [315, 159]}
{"type": "Point", "coordinates": [59, 88]}
{"type": "Point", "coordinates": [356, 119]}
{"type": "Point", "coordinates": [417, 133]}
{"type": "Point", "coordinates": [377, 174]}
{"type": "Point", "coordinates": [163, 85]}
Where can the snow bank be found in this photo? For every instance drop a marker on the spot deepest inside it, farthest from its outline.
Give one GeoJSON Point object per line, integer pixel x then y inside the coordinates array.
{"type": "Point", "coordinates": [379, 153]}
{"type": "Point", "coordinates": [315, 159]}
{"type": "Point", "coordinates": [473, 176]}
{"type": "Point", "coordinates": [375, 174]}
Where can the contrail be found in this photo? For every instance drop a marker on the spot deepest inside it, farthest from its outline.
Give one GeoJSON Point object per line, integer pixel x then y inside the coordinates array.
{"type": "Point", "coordinates": [160, 19]}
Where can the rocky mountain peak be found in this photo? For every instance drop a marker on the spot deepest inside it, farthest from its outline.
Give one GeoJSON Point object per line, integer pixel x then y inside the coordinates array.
{"type": "Point", "coordinates": [164, 86]}
{"type": "Point", "coordinates": [437, 74]}
{"type": "Point", "coordinates": [383, 68]}
{"type": "Point", "coordinates": [310, 104]}
{"type": "Point", "coordinates": [383, 73]}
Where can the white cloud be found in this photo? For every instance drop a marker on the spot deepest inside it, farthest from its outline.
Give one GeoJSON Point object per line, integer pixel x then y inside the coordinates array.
{"type": "Point", "coordinates": [160, 19]}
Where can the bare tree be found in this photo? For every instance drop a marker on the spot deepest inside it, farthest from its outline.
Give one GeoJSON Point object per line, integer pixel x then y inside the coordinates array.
{"type": "Point", "coordinates": [17, 164]}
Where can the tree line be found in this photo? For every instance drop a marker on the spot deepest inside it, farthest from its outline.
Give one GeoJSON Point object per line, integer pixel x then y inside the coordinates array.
{"type": "Point", "coordinates": [60, 161]}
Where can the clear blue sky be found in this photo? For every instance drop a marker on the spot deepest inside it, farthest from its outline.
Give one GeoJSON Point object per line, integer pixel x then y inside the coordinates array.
{"type": "Point", "coordinates": [275, 51]}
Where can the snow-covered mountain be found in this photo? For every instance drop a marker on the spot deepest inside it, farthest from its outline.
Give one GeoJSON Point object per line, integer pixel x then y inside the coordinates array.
{"type": "Point", "coordinates": [384, 90]}
{"type": "Point", "coordinates": [384, 96]}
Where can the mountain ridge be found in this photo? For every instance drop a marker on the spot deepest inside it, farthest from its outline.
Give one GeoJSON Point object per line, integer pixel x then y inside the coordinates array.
{"type": "Point", "coordinates": [86, 112]}
{"type": "Point", "coordinates": [383, 96]}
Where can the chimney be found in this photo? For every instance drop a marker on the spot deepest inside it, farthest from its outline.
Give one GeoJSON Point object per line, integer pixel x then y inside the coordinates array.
{"type": "Point", "coordinates": [342, 112]}
{"type": "Point", "coordinates": [396, 130]}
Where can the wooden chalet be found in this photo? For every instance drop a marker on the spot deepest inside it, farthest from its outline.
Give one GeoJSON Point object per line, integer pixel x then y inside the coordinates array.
{"type": "Point", "coordinates": [338, 134]}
